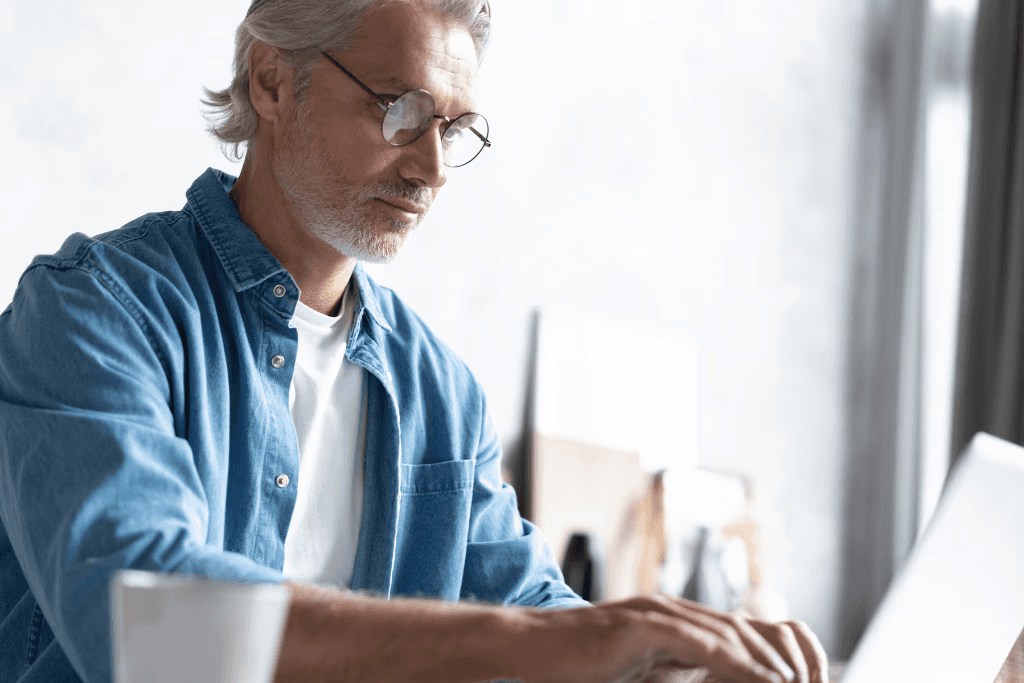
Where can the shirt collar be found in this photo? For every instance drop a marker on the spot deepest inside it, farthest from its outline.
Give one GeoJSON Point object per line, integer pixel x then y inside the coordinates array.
{"type": "Point", "coordinates": [367, 297]}
{"type": "Point", "coordinates": [245, 259]}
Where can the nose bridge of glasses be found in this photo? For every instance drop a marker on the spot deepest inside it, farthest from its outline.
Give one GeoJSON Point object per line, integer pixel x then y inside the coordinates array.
{"type": "Point", "coordinates": [427, 120]}
{"type": "Point", "coordinates": [442, 127]}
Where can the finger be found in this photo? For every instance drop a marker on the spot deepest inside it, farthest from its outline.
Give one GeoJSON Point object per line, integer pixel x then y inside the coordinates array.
{"type": "Point", "coordinates": [669, 606]}
{"type": "Point", "coordinates": [775, 653]}
{"type": "Point", "coordinates": [734, 624]}
{"type": "Point", "coordinates": [817, 660]}
{"type": "Point", "coordinates": [781, 636]}
{"type": "Point", "coordinates": [691, 644]}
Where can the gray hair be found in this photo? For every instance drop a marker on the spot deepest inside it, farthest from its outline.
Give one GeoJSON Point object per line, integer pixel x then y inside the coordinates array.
{"type": "Point", "coordinates": [302, 28]}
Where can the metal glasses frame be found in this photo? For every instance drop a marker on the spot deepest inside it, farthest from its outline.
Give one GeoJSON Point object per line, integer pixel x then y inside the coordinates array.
{"type": "Point", "coordinates": [387, 106]}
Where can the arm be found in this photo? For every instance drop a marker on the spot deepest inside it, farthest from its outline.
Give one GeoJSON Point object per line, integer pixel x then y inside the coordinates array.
{"type": "Point", "coordinates": [94, 478]}
{"type": "Point", "coordinates": [438, 642]}
{"type": "Point", "coordinates": [92, 475]}
{"type": "Point", "coordinates": [333, 635]}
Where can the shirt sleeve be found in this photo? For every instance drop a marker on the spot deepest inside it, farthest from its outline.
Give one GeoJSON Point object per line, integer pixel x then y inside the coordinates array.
{"type": "Point", "coordinates": [93, 474]}
{"type": "Point", "coordinates": [508, 560]}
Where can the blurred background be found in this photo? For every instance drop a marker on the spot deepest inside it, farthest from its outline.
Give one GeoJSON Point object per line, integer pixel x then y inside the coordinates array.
{"type": "Point", "coordinates": [723, 240]}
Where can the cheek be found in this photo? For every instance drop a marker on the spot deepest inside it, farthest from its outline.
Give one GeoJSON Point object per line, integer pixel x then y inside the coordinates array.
{"type": "Point", "coordinates": [329, 140]}
{"type": "Point", "coordinates": [356, 153]}
{"type": "Point", "coordinates": [365, 164]}
{"type": "Point", "coordinates": [349, 140]}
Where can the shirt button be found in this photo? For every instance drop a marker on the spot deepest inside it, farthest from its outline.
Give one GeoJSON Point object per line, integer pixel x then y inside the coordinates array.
{"type": "Point", "coordinates": [282, 481]}
{"type": "Point", "coordinates": [277, 361]}
{"type": "Point", "coordinates": [280, 290]}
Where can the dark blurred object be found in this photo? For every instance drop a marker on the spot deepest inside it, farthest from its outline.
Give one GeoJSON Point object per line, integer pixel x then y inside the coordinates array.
{"type": "Point", "coordinates": [692, 589]}
{"type": "Point", "coordinates": [990, 360]}
{"type": "Point", "coordinates": [707, 582]}
{"type": "Point", "coordinates": [579, 567]}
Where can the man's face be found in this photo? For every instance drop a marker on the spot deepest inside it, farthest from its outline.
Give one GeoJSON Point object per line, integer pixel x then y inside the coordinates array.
{"type": "Point", "coordinates": [347, 185]}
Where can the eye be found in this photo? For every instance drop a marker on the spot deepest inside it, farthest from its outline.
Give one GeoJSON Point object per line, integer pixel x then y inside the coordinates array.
{"type": "Point", "coordinates": [459, 128]}
{"type": "Point", "coordinates": [453, 134]}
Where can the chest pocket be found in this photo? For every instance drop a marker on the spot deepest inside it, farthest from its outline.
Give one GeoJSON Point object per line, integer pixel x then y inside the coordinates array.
{"type": "Point", "coordinates": [437, 478]}
{"type": "Point", "coordinates": [433, 528]}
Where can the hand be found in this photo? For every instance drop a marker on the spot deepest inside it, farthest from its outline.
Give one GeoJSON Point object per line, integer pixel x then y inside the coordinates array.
{"type": "Point", "coordinates": [644, 637]}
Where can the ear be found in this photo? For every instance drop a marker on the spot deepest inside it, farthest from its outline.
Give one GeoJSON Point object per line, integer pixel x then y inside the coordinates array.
{"type": "Point", "coordinates": [270, 82]}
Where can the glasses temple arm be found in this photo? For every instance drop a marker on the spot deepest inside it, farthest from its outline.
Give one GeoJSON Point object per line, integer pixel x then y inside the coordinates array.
{"type": "Point", "coordinates": [358, 82]}
{"type": "Point", "coordinates": [483, 138]}
{"type": "Point", "coordinates": [487, 143]}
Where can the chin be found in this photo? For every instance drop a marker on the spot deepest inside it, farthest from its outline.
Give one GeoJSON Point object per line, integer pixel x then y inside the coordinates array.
{"type": "Point", "coordinates": [380, 246]}
{"type": "Point", "coordinates": [368, 237]}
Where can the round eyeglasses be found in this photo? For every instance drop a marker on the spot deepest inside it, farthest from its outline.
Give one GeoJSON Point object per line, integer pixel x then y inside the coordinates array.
{"type": "Point", "coordinates": [411, 113]}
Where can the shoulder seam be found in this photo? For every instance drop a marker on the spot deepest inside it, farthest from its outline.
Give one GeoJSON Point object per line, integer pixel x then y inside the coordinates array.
{"type": "Point", "coordinates": [133, 311]}
{"type": "Point", "coordinates": [141, 232]}
{"type": "Point", "coordinates": [50, 261]}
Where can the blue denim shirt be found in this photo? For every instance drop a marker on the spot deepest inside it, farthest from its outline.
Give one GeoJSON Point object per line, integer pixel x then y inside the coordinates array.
{"type": "Point", "coordinates": [143, 423]}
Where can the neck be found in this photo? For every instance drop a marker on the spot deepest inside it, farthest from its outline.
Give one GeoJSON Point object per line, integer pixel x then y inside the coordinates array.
{"type": "Point", "coordinates": [321, 272]}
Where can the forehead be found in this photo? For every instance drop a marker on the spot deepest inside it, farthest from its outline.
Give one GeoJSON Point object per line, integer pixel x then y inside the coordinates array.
{"type": "Point", "coordinates": [405, 46]}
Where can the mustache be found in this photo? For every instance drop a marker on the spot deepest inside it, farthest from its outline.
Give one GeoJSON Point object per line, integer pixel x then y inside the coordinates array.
{"type": "Point", "coordinates": [420, 195]}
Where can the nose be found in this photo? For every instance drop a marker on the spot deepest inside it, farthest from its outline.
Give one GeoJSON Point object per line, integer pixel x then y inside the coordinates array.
{"type": "Point", "coordinates": [422, 161]}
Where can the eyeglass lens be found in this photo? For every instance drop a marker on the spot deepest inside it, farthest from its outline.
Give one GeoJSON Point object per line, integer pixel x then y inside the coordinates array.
{"type": "Point", "coordinates": [408, 117]}
{"type": "Point", "coordinates": [412, 113]}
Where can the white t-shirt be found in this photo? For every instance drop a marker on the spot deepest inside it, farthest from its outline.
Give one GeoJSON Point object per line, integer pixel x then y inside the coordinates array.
{"type": "Point", "coordinates": [328, 406]}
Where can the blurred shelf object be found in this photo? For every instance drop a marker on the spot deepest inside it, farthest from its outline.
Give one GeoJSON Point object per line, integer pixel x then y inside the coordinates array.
{"type": "Point", "coordinates": [582, 488]}
{"type": "Point", "coordinates": [580, 568]}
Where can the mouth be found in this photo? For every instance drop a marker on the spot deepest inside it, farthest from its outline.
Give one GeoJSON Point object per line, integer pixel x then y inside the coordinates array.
{"type": "Point", "coordinates": [411, 210]}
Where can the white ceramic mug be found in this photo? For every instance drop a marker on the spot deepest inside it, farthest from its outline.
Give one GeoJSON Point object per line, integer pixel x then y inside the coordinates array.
{"type": "Point", "coordinates": [178, 629]}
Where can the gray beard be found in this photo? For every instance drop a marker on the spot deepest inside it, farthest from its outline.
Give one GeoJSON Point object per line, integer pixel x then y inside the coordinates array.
{"type": "Point", "coordinates": [343, 218]}
{"type": "Point", "coordinates": [349, 232]}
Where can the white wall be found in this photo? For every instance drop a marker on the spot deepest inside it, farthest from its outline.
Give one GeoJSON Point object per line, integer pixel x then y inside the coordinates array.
{"type": "Point", "coordinates": [684, 167]}
{"type": "Point", "coordinates": [728, 228]}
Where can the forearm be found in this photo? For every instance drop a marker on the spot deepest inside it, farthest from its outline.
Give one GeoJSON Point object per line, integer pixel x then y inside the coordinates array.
{"type": "Point", "coordinates": [332, 636]}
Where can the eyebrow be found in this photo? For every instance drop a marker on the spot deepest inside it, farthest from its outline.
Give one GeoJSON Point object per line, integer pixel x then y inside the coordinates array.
{"type": "Point", "coordinates": [398, 84]}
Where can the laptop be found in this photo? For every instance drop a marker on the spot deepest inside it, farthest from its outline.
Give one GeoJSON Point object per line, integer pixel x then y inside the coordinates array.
{"type": "Point", "coordinates": [957, 607]}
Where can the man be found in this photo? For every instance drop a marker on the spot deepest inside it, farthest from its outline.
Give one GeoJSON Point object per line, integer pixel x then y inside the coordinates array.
{"type": "Point", "coordinates": [222, 391]}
